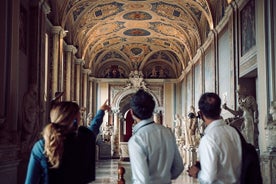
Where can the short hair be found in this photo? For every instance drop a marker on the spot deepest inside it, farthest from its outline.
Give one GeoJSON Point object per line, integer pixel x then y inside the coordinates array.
{"type": "Point", "coordinates": [142, 104]}
{"type": "Point", "coordinates": [210, 105]}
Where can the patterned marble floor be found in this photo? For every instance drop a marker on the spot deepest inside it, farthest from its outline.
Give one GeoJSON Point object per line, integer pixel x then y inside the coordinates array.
{"type": "Point", "coordinates": [107, 172]}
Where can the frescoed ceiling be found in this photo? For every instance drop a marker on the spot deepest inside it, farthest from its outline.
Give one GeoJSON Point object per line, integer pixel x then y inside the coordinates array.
{"type": "Point", "coordinates": [145, 35]}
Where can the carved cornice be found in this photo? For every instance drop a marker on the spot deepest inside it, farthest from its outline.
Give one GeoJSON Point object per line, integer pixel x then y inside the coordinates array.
{"type": "Point", "coordinates": [56, 29]}
{"type": "Point", "coordinates": [209, 40]}
{"type": "Point", "coordinates": [59, 31]}
{"type": "Point", "coordinates": [225, 20]}
{"type": "Point", "coordinates": [86, 71]}
{"type": "Point", "coordinates": [92, 79]}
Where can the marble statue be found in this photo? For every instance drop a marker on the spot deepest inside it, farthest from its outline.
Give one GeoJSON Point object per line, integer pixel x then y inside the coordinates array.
{"type": "Point", "coordinates": [186, 130]}
{"type": "Point", "coordinates": [177, 126]}
{"type": "Point", "coordinates": [30, 118]}
{"type": "Point", "coordinates": [89, 118]}
{"type": "Point", "coordinates": [193, 125]}
{"type": "Point", "coordinates": [247, 112]}
{"type": "Point", "coordinates": [272, 110]}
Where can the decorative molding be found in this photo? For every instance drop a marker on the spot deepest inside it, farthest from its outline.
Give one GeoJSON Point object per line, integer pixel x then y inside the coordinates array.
{"type": "Point", "coordinates": [79, 61]}
{"type": "Point", "coordinates": [70, 48]}
{"type": "Point", "coordinates": [92, 79]}
{"type": "Point", "coordinates": [198, 55]}
{"type": "Point", "coordinates": [86, 71]}
{"type": "Point", "coordinates": [225, 20]}
{"type": "Point", "coordinates": [248, 66]}
{"type": "Point", "coordinates": [119, 92]}
{"type": "Point", "coordinates": [209, 40]}
{"type": "Point", "coordinates": [56, 30]}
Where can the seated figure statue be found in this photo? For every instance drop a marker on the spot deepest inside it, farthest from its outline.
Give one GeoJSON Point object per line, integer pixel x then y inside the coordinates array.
{"type": "Point", "coordinates": [247, 113]}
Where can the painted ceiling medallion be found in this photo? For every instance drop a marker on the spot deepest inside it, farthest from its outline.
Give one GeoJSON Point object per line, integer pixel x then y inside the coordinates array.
{"type": "Point", "coordinates": [136, 51]}
{"type": "Point", "coordinates": [137, 32]}
{"type": "Point", "coordinates": [137, 15]}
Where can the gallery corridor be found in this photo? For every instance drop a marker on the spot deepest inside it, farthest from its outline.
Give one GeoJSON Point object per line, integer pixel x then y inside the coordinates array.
{"type": "Point", "coordinates": [107, 172]}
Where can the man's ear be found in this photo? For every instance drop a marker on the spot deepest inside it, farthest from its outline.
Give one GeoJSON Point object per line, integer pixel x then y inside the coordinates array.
{"type": "Point", "coordinates": [201, 115]}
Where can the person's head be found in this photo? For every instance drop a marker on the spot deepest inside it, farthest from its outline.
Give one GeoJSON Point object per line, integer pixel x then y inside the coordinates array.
{"type": "Point", "coordinates": [209, 105]}
{"type": "Point", "coordinates": [65, 114]}
{"type": "Point", "coordinates": [64, 118]}
{"type": "Point", "coordinates": [142, 104]}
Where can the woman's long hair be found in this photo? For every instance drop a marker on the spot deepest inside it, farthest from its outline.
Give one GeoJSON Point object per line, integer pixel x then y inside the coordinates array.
{"type": "Point", "coordinates": [62, 115]}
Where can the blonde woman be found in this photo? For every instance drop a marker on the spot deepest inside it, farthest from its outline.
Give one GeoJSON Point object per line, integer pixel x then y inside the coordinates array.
{"type": "Point", "coordinates": [66, 151]}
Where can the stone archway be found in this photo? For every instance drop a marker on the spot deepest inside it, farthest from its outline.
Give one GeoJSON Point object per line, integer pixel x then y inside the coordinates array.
{"type": "Point", "coordinates": [120, 108]}
{"type": "Point", "coordinates": [120, 100]}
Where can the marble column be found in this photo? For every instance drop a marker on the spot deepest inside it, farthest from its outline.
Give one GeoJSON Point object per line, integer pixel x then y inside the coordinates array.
{"type": "Point", "coordinates": [268, 157]}
{"type": "Point", "coordinates": [90, 96]}
{"type": "Point", "coordinates": [57, 34]}
{"type": "Point", "coordinates": [85, 74]}
{"type": "Point", "coordinates": [115, 150]}
{"type": "Point", "coordinates": [73, 79]}
{"type": "Point", "coordinates": [70, 51]}
{"type": "Point", "coordinates": [78, 65]}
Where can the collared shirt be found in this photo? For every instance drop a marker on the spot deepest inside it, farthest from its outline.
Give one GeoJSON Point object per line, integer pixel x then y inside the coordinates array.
{"type": "Point", "coordinates": [220, 154]}
{"type": "Point", "coordinates": [154, 155]}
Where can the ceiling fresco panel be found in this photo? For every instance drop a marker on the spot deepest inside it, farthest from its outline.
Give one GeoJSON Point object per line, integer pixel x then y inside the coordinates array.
{"type": "Point", "coordinates": [130, 34]}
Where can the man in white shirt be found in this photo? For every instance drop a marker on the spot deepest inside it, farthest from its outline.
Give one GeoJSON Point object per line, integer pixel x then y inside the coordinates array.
{"type": "Point", "coordinates": [220, 151]}
{"type": "Point", "coordinates": [153, 152]}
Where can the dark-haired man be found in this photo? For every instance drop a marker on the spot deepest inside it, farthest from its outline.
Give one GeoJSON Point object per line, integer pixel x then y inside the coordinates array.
{"type": "Point", "coordinates": [153, 152]}
{"type": "Point", "coordinates": [220, 151]}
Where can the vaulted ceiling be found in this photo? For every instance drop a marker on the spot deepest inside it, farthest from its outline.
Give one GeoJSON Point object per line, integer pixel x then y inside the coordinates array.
{"type": "Point", "coordinates": [145, 35]}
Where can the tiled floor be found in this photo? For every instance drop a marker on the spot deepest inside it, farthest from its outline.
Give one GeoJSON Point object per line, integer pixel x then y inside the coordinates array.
{"type": "Point", "coordinates": [107, 172]}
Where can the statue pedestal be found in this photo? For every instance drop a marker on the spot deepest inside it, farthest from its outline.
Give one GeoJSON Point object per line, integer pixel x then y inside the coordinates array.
{"type": "Point", "coordinates": [268, 159]}
{"type": "Point", "coordinates": [271, 136]}
{"type": "Point", "coordinates": [268, 167]}
{"type": "Point", "coordinates": [104, 150]}
{"type": "Point", "coordinates": [190, 156]}
{"type": "Point", "coordinates": [124, 155]}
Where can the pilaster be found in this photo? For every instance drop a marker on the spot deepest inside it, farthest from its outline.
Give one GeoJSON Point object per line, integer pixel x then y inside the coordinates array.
{"type": "Point", "coordinates": [115, 149]}
{"type": "Point", "coordinates": [85, 73]}
{"type": "Point", "coordinates": [90, 95]}
{"type": "Point", "coordinates": [70, 50]}
{"type": "Point", "coordinates": [56, 31]}
{"type": "Point", "coordinates": [78, 65]}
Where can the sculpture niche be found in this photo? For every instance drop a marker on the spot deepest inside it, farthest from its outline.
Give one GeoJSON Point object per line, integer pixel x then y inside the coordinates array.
{"type": "Point", "coordinates": [246, 117]}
